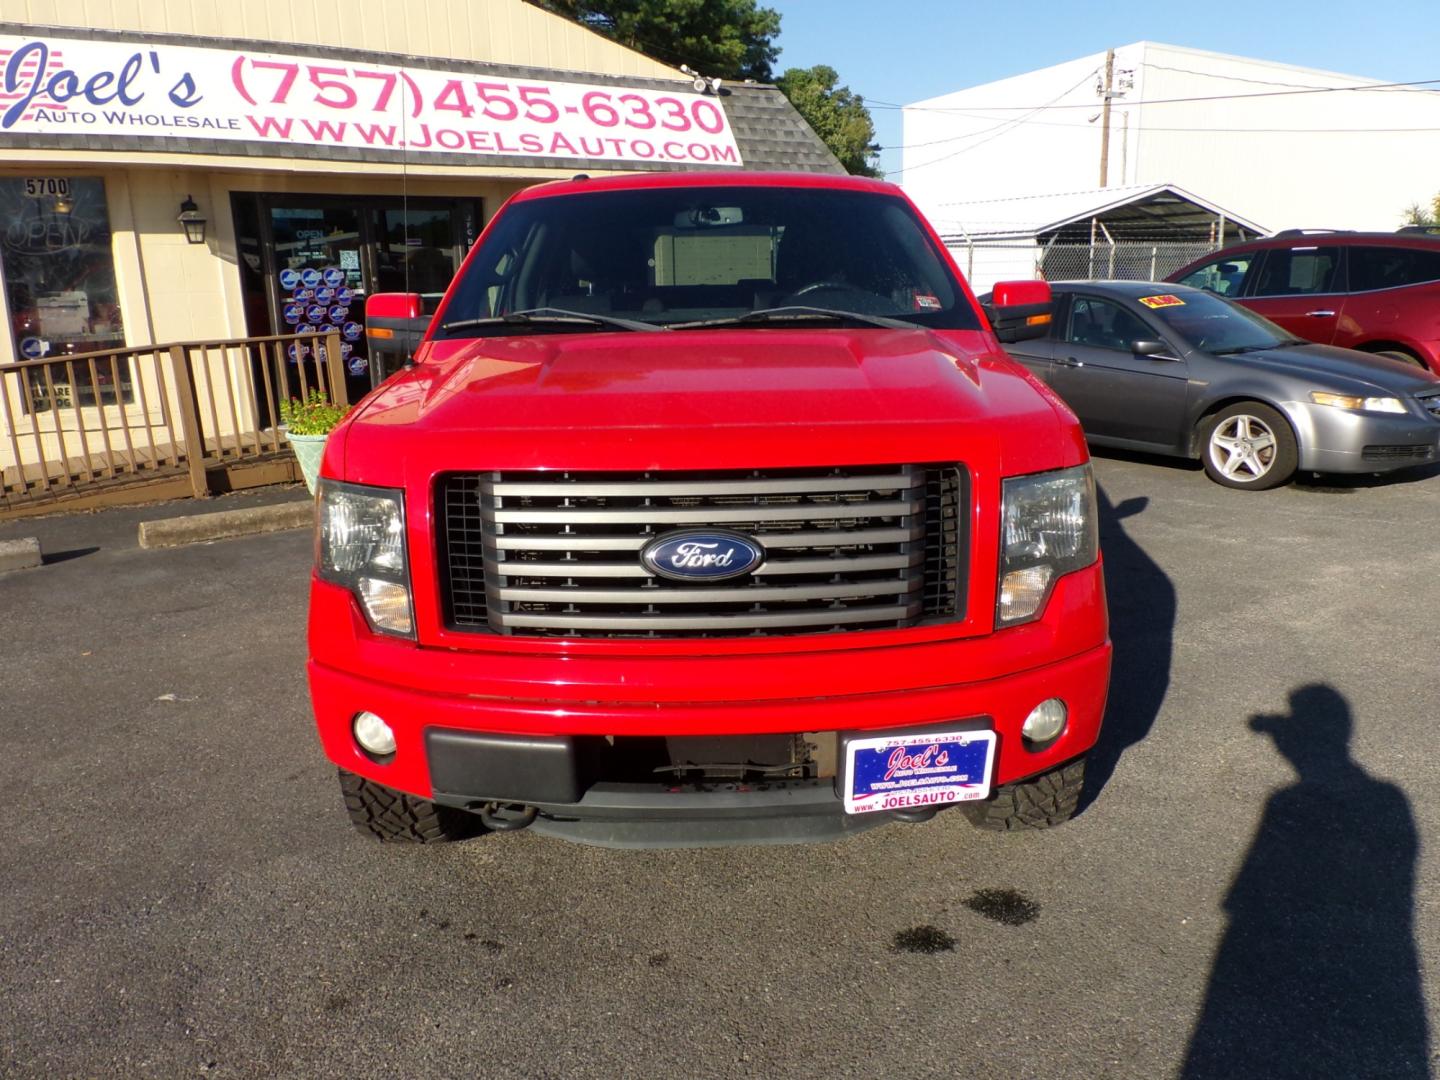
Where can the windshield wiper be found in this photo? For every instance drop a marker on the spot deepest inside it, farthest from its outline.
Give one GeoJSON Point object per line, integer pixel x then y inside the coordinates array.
{"type": "Point", "coordinates": [532, 316]}
{"type": "Point", "coordinates": [795, 312]}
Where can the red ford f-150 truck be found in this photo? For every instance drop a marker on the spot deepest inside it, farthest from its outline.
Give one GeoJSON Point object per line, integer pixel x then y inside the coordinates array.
{"type": "Point", "coordinates": [710, 511]}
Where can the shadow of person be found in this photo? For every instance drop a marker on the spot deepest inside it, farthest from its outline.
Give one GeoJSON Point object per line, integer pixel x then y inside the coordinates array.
{"type": "Point", "coordinates": [1317, 975]}
{"type": "Point", "coordinates": [1142, 627]}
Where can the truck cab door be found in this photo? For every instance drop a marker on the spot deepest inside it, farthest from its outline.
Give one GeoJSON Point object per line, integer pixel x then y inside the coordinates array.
{"type": "Point", "coordinates": [1301, 288]}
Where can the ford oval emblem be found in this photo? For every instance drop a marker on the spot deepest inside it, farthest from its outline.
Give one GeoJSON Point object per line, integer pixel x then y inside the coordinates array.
{"type": "Point", "coordinates": [702, 555]}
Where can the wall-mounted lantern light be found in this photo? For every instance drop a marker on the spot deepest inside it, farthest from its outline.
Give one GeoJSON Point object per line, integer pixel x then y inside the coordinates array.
{"type": "Point", "coordinates": [192, 221]}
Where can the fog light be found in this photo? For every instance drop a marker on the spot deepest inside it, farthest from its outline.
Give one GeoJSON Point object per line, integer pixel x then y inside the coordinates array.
{"type": "Point", "coordinates": [1046, 721]}
{"type": "Point", "coordinates": [374, 735]}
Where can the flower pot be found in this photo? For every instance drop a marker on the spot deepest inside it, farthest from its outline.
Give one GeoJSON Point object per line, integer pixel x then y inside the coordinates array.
{"type": "Point", "coordinates": [308, 451]}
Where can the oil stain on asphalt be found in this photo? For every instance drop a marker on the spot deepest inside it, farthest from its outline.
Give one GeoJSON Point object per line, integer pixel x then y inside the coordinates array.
{"type": "Point", "coordinates": [922, 939]}
{"type": "Point", "coordinates": [1006, 906]}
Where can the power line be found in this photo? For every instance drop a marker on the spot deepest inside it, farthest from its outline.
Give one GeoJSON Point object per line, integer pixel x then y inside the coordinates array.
{"type": "Point", "coordinates": [1416, 84]}
{"type": "Point", "coordinates": [1185, 130]}
{"type": "Point", "coordinates": [1009, 125]}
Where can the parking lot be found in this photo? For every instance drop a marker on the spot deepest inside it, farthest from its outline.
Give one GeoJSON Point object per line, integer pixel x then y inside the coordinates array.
{"type": "Point", "coordinates": [1249, 891]}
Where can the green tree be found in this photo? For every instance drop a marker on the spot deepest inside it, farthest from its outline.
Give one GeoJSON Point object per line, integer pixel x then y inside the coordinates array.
{"type": "Point", "coordinates": [1416, 214]}
{"type": "Point", "coordinates": [838, 116]}
{"type": "Point", "coordinates": [728, 39]}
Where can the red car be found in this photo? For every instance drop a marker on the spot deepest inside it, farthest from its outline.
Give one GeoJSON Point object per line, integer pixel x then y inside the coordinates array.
{"type": "Point", "coordinates": [710, 511]}
{"type": "Point", "coordinates": [1376, 292]}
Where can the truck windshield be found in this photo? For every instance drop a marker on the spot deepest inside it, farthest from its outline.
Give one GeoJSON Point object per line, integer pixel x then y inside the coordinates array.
{"type": "Point", "coordinates": [685, 258]}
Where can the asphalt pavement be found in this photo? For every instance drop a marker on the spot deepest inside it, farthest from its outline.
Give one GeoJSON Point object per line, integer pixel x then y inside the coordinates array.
{"type": "Point", "coordinates": [1249, 891]}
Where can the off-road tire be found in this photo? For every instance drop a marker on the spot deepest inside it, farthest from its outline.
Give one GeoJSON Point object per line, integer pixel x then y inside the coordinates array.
{"type": "Point", "coordinates": [1038, 803]}
{"type": "Point", "coordinates": [395, 817]}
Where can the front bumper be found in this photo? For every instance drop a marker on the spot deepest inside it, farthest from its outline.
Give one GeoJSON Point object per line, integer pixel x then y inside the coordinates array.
{"type": "Point", "coordinates": [1341, 441]}
{"type": "Point", "coordinates": [429, 695]}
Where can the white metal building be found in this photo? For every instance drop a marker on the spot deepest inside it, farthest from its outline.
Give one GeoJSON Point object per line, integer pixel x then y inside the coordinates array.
{"type": "Point", "coordinates": [1140, 233]}
{"type": "Point", "coordinates": [1297, 151]}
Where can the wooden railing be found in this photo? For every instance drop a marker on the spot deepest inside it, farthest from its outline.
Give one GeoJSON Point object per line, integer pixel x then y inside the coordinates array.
{"type": "Point", "coordinates": [93, 421]}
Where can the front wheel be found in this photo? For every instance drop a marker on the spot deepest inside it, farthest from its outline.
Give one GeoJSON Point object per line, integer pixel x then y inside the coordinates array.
{"type": "Point", "coordinates": [387, 814]}
{"type": "Point", "coordinates": [1250, 445]}
{"type": "Point", "coordinates": [1038, 803]}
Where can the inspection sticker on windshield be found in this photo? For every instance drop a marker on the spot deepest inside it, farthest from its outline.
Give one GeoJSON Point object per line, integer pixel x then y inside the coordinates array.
{"type": "Point", "coordinates": [913, 772]}
{"type": "Point", "coordinates": [1167, 300]}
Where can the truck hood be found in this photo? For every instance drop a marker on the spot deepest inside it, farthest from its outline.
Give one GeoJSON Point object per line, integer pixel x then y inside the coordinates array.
{"type": "Point", "coordinates": [686, 399]}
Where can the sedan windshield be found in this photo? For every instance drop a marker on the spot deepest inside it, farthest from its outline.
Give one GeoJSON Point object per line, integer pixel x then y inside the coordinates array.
{"type": "Point", "coordinates": [697, 257]}
{"type": "Point", "coordinates": [1218, 326]}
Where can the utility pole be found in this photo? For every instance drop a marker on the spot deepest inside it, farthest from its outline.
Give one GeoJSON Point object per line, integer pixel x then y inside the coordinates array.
{"type": "Point", "coordinates": [1105, 118]}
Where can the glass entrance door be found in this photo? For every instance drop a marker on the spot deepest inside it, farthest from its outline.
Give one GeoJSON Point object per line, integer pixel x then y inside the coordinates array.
{"type": "Point", "coordinates": [307, 263]}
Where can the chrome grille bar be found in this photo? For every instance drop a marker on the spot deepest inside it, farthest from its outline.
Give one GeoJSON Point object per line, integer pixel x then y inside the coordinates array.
{"type": "Point", "coordinates": [557, 554]}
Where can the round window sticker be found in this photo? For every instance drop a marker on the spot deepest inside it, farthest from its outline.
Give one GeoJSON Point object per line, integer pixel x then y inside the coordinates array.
{"type": "Point", "coordinates": [339, 314]}
{"type": "Point", "coordinates": [344, 296]}
{"type": "Point", "coordinates": [358, 365]}
{"type": "Point", "coordinates": [289, 279]}
{"type": "Point", "coordinates": [294, 313]}
{"type": "Point", "coordinates": [346, 348]}
{"type": "Point", "coordinates": [297, 352]}
{"type": "Point", "coordinates": [305, 328]}
{"type": "Point", "coordinates": [303, 294]}
{"type": "Point", "coordinates": [310, 278]}
{"type": "Point", "coordinates": [324, 295]}
{"type": "Point", "coordinates": [315, 313]}
{"type": "Point", "coordinates": [352, 331]}
{"type": "Point", "coordinates": [333, 277]}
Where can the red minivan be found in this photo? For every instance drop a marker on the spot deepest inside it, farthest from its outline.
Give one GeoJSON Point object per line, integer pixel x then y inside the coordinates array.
{"type": "Point", "coordinates": [1376, 292]}
{"type": "Point", "coordinates": [711, 510]}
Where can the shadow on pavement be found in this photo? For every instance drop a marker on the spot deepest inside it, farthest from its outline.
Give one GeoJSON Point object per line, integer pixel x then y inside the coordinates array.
{"type": "Point", "coordinates": [52, 557]}
{"type": "Point", "coordinates": [1317, 975]}
{"type": "Point", "coordinates": [1142, 626]}
{"type": "Point", "coordinates": [1341, 483]}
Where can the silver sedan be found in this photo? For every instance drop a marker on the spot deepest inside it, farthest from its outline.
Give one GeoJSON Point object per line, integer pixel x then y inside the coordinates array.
{"type": "Point", "coordinates": [1175, 370]}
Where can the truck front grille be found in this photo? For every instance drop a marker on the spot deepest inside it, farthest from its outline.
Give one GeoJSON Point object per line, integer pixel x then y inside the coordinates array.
{"type": "Point", "coordinates": [558, 554]}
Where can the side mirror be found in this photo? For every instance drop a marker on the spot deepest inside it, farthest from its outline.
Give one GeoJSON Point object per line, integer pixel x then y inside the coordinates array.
{"type": "Point", "coordinates": [394, 324]}
{"type": "Point", "coordinates": [1020, 310]}
{"type": "Point", "coordinates": [1156, 350]}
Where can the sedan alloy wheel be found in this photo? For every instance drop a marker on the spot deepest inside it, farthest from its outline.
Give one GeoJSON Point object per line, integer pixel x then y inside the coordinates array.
{"type": "Point", "coordinates": [1250, 446]}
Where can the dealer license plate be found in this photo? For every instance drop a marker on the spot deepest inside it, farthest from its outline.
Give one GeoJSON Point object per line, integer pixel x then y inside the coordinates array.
{"type": "Point", "coordinates": [912, 772]}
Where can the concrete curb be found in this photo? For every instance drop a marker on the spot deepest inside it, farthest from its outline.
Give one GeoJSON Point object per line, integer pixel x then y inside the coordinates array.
{"type": "Point", "coordinates": [199, 528]}
{"type": "Point", "coordinates": [20, 554]}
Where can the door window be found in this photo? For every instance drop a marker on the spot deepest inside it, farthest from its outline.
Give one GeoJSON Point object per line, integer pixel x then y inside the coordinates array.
{"type": "Point", "coordinates": [1224, 277]}
{"type": "Point", "coordinates": [1391, 267]}
{"type": "Point", "coordinates": [1298, 272]}
{"type": "Point", "coordinates": [1103, 325]}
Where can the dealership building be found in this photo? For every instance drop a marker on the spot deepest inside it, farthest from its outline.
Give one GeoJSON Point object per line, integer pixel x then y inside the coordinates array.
{"type": "Point", "coordinates": [199, 171]}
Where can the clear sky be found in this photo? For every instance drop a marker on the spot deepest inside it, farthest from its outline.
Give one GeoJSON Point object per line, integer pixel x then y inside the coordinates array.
{"type": "Point", "coordinates": [910, 50]}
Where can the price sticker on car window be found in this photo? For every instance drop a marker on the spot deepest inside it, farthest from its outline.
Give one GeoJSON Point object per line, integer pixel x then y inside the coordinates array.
{"type": "Point", "coordinates": [1166, 300]}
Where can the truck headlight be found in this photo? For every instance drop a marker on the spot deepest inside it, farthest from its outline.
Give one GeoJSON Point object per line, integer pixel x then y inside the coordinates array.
{"type": "Point", "coordinates": [360, 543]}
{"type": "Point", "coordinates": [1047, 529]}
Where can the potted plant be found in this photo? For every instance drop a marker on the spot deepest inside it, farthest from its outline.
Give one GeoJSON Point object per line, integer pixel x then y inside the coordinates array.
{"type": "Point", "coordinates": [307, 424]}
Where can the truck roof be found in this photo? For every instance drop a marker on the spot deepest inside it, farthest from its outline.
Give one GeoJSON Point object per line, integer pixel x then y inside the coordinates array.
{"type": "Point", "coordinates": [713, 178]}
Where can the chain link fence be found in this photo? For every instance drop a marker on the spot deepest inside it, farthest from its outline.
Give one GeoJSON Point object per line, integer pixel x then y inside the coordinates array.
{"type": "Point", "coordinates": [986, 262]}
